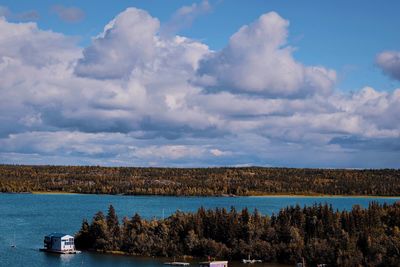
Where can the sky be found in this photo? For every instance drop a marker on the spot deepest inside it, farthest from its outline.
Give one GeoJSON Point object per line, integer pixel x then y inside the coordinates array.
{"type": "Point", "coordinates": [200, 83]}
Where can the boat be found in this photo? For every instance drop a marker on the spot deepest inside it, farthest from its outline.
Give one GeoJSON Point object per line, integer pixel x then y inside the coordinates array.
{"type": "Point", "coordinates": [251, 261]}
{"type": "Point", "coordinates": [59, 243]}
{"type": "Point", "coordinates": [302, 263]}
{"type": "Point", "coordinates": [213, 264]}
{"type": "Point", "coordinates": [177, 263]}
{"type": "Point", "coordinates": [13, 245]}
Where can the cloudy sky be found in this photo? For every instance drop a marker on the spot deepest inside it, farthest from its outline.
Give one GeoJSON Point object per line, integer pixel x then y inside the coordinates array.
{"type": "Point", "coordinates": [202, 83]}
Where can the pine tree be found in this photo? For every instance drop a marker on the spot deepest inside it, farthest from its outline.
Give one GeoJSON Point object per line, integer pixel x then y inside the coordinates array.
{"type": "Point", "coordinates": [98, 229]}
{"type": "Point", "coordinates": [113, 229]}
{"type": "Point", "coordinates": [84, 239]}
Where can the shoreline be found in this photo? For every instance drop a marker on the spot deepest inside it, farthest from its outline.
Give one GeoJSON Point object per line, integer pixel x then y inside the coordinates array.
{"type": "Point", "coordinates": [321, 196]}
{"type": "Point", "coordinates": [277, 195]}
{"type": "Point", "coordinates": [183, 258]}
{"type": "Point", "coordinates": [52, 193]}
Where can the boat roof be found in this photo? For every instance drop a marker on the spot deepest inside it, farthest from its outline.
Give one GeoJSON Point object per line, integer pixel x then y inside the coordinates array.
{"type": "Point", "coordinates": [57, 235]}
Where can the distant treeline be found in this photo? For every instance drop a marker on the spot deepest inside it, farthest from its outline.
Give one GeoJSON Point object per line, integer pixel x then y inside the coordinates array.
{"type": "Point", "coordinates": [198, 181]}
{"type": "Point", "coordinates": [360, 237]}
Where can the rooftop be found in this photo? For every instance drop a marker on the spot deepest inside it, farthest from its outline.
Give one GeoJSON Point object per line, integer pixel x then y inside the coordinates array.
{"type": "Point", "coordinates": [57, 235]}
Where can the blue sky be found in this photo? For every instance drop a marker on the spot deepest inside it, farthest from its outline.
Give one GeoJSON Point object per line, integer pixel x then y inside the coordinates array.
{"type": "Point", "coordinates": [344, 35]}
{"type": "Point", "coordinates": [181, 83]}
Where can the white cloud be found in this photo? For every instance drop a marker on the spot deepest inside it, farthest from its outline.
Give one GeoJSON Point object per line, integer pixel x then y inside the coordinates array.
{"type": "Point", "coordinates": [25, 43]}
{"type": "Point", "coordinates": [130, 99]}
{"type": "Point", "coordinates": [257, 61]}
{"type": "Point", "coordinates": [32, 61]}
{"type": "Point", "coordinates": [131, 46]}
{"type": "Point", "coordinates": [219, 153]}
{"type": "Point", "coordinates": [63, 142]}
{"type": "Point", "coordinates": [127, 43]}
{"type": "Point", "coordinates": [389, 62]}
{"type": "Point", "coordinates": [171, 152]}
{"type": "Point", "coordinates": [380, 109]}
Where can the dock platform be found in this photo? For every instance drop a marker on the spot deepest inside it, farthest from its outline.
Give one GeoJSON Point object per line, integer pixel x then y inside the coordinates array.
{"type": "Point", "coordinates": [177, 263]}
{"type": "Point", "coordinates": [60, 252]}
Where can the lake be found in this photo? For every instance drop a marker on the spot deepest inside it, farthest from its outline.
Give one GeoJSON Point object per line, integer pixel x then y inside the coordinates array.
{"type": "Point", "coordinates": [27, 218]}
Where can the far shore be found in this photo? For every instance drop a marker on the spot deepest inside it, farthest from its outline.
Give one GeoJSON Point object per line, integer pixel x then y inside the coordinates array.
{"type": "Point", "coordinates": [277, 195]}
{"type": "Point", "coordinates": [52, 193]}
{"type": "Point", "coordinates": [183, 258]}
{"type": "Point", "coordinates": [320, 195]}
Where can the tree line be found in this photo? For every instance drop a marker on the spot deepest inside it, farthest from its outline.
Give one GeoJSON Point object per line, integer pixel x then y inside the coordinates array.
{"type": "Point", "coordinates": [318, 234]}
{"type": "Point", "coordinates": [198, 181]}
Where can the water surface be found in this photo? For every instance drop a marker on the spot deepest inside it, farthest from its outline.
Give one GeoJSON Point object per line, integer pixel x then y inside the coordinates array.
{"type": "Point", "coordinates": [26, 218]}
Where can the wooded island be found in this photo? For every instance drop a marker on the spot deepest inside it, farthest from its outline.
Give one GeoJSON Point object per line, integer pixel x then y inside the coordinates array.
{"type": "Point", "coordinates": [319, 234]}
{"type": "Point", "coordinates": [198, 181]}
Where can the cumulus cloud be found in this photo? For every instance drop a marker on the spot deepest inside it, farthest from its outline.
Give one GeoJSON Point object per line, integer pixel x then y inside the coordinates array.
{"type": "Point", "coordinates": [130, 45]}
{"type": "Point", "coordinates": [127, 42]}
{"type": "Point", "coordinates": [389, 62]}
{"type": "Point", "coordinates": [25, 43]}
{"type": "Point", "coordinates": [31, 61]}
{"type": "Point", "coordinates": [258, 61]}
{"type": "Point", "coordinates": [137, 97]}
{"type": "Point", "coordinates": [68, 14]}
{"type": "Point", "coordinates": [380, 109]}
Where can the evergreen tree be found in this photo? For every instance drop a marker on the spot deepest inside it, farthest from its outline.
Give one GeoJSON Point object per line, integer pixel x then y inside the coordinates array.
{"type": "Point", "coordinates": [113, 229]}
{"type": "Point", "coordinates": [98, 229]}
{"type": "Point", "coordinates": [317, 233]}
{"type": "Point", "coordinates": [84, 238]}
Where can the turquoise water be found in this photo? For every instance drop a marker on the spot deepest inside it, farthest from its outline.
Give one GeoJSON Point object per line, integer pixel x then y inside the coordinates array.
{"type": "Point", "coordinates": [26, 218]}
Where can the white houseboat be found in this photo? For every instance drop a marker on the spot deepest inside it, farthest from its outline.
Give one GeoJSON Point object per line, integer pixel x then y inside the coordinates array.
{"type": "Point", "coordinates": [59, 243]}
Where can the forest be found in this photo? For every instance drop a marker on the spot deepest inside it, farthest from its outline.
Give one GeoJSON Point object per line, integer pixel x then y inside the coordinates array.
{"type": "Point", "coordinates": [318, 234]}
{"type": "Point", "coordinates": [198, 181]}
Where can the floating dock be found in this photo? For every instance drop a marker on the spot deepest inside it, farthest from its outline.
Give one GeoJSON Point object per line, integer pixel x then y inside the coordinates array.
{"type": "Point", "coordinates": [60, 251]}
{"type": "Point", "coordinates": [251, 261]}
{"type": "Point", "coordinates": [177, 263]}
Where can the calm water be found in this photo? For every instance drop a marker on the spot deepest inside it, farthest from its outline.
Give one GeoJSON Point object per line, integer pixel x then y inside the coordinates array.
{"type": "Point", "coordinates": [26, 218]}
